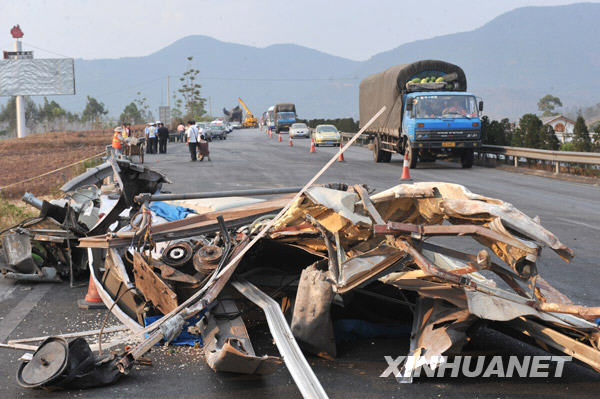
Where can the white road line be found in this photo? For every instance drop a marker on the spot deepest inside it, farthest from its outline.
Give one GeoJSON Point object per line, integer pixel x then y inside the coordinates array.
{"type": "Point", "coordinates": [589, 226]}
{"type": "Point", "coordinates": [19, 312]}
{"type": "Point", "coordinates": [6, 290]}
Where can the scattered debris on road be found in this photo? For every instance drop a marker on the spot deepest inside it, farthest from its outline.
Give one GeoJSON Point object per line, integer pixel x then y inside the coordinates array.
{"type": "Point", "coordinates": [329, 253]}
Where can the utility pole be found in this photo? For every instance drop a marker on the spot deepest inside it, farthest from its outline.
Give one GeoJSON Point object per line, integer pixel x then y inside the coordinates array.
{"type": "Point", "coordinates": [168, 94]}
{"type": "Point", "coordinates": [20, 101]}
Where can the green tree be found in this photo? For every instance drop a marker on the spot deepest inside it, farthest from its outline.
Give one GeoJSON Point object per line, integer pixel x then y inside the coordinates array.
{"type": "Point", "coordinates": [93, 111]}
{"type": "Point", "coordinates": [548, 104]}
{"type": "Point", "coordinates": [529, 134]}
{"type": "Point", "coordinates": [131, 114]}
{"type": "Point", "coordinates": [191, 103]}
{"type": "Point", "coordinates": [142, 105]}
{"type": "Point", "coordinates": [550, 141]}
{"type": "Point", "coordinates": [581, 136]}
{"type": "Point", "coordinates": [51, 110]}
{"type": "Point", "coordinates": [494, 132]}
{"type": "Point", "coordinates": [8, 114]}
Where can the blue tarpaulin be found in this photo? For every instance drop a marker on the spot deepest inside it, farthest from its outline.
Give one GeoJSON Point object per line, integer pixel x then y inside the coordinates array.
{"type": "Point", "coordinates": [185, 338]}
{"type": "Point", "coordinates": [170, 212]}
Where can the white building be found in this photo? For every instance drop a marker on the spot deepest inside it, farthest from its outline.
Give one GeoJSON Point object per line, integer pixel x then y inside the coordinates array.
{"type": "Point", "coordinates": [563, 127]}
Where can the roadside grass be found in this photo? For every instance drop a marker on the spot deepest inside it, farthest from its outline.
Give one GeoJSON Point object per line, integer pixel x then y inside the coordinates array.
{"type": "Point", "coordinates": [12, 213]}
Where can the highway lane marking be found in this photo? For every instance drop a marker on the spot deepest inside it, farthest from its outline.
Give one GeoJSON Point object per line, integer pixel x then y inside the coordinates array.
{"type": "Point", "coordinates": [19, 312]}
{"type": "Point", "coordinates": [6, 291]}
{"type": "Point", "coordinates": [589, 226]}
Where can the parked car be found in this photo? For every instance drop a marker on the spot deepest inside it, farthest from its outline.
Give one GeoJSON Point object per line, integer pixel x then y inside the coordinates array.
{"type": "Point", "coordinates": [236, 125]}
{"type": "Point", "coordinates": [326, 135]}
{"type": "Point", "coordinates": [212, 132]}
{"type": "Point", "coordinates": [299, 130]}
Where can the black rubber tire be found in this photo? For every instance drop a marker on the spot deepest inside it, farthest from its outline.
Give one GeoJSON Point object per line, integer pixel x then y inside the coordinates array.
{"type": "Point", "coordinates": [412, 157]}
{"type": "Point", "coordinates": [466, 159]}
{"type": "Point", "coordinates": [378, 154]}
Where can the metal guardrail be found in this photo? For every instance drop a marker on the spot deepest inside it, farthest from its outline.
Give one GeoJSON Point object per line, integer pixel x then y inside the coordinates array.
{"type": "Point", "coordinates": [544, 155]}
{"type": "Point", "coordinates": [568, 157]}
{"type": "Point", "coordinates": [520, 153]}
{"type": "Point", "coordinates": [363, 140]}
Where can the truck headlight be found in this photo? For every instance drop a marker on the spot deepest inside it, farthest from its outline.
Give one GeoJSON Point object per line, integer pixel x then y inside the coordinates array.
{"type": "Point", "coordinates": [473, 135]}
{"type": "Point", "coordinates": [421, 136]}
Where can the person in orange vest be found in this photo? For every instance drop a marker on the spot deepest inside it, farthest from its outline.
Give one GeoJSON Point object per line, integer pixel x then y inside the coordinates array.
{"type": "Point", "coordinates": [117, 142]}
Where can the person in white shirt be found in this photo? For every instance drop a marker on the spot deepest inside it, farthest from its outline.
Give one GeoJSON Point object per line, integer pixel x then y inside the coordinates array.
{"type": "Point", "coordinates": [152, 139]}
{"type": "Point", "coordinates": [192, 139]}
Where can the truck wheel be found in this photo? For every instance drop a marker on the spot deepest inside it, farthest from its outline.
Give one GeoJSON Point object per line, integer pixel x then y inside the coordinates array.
{"type": "Point", "coordinates": [466, 159]}
{"type": "Point", "coordinates": [378, 154]}
{"type": "Point", "coordinates": [412, 155]}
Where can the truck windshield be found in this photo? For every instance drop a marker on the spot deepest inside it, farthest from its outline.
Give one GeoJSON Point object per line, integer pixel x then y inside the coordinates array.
{"type": "Point", "coordinates": [450, 106]}
{"type": "Point", "coordinates": [285, 116]}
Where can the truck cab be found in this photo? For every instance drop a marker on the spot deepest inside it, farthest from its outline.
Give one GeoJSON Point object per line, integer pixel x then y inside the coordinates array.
{"type": "Point", "coordinates": [284, 116]}
{"type": "Point", "coordinates": [444, 122]}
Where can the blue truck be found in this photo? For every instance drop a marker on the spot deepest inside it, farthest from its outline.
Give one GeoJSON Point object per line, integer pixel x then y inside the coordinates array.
{"type": "Point", "coordinates": [429, 113]}
{"type": "Point", "coordinates": [284, 115]}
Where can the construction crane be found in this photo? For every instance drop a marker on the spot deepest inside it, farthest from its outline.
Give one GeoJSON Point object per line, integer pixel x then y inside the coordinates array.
{"type": "Point", "coordinates": [249, 120]}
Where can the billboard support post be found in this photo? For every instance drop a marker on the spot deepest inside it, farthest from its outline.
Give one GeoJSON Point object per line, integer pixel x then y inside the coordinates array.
{"type": "Point", "coordinates": [20, 103]}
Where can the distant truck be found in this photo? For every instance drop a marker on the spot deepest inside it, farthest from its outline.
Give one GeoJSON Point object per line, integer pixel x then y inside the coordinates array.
{"type": "Point", "coordinates": [270, 121]}
{"type": "Point", "coordinates": [284, 115]}
{"type": "Point", "coordinates": [429, 112]}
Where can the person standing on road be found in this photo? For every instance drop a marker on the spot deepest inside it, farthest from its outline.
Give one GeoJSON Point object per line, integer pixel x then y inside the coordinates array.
{"type": "Point", "coordinates": [163, 137]}
{"type": "Point", "coordinates": [152, 138]}
{"type": "Point", "coordinates": [125, 132]}
{"type": "Point", "coordinates": [181, 131]}
{"type": "Point", "coordinates": [203, 148]}
{"type": "Point", "coordinates": [147, 135]}
{"type": "Point", "coordinates": [192, 139]}
{"type": "Point", "coordinates": [117, 141]}
{"type": "Point", "coordinates": [128, 129]}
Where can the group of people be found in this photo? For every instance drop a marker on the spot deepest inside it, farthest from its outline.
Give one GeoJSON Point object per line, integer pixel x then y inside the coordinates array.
{"type": "Point", "coordinates": [195, 141]}
{"type": "Point", "coordinates": [156, 134]}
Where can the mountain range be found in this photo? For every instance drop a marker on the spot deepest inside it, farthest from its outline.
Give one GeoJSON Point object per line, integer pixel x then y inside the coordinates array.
{"type": "Point", "coordinates": [510, 61]}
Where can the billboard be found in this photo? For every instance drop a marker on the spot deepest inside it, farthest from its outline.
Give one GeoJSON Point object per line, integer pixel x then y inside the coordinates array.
{"type": "Point", "coordinates": [37, 77]}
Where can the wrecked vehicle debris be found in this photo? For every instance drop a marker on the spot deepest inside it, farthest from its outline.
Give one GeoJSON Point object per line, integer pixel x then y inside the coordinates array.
{"type": "Point", "coordinates": [329, 254]}
{"type": "Point", "coordinates": [353, 242]}
{"type": "Point", "coordinates": [45, 248]}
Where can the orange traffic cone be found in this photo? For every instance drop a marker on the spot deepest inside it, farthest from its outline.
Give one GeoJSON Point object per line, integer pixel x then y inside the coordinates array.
{"type": "Point", "coordinates": [279, 139]}
{"type": "Point", "coordinates": [291, 144]}
{"type": "Point", "coordinates": [406, 168]}
{"type": "Point", "coordinates": [92, 299]}
{"type": "Point", "coordinates": [270, 134]}
{"type": "Point", "coordinates": [312, 146]}
{"type": "Point", "coordinates": [341, 157]}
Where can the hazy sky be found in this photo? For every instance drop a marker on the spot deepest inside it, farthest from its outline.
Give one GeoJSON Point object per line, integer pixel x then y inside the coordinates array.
{"type": "Point", "coordinates": [349, 28]}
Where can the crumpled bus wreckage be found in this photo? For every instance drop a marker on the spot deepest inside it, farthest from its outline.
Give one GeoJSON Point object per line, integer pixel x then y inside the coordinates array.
{"type": "Point", "coordinates": [305, 259]}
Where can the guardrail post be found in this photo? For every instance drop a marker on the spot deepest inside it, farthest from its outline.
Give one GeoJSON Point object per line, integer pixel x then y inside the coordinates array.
{"type": "Point", "coordinates": [516, 161]}
{"type": "Point", "coordinates": [557, 167]}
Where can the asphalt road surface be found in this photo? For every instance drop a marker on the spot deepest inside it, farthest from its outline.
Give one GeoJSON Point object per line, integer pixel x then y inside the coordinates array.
{"type": "Point", "coordinates": [249, 159]}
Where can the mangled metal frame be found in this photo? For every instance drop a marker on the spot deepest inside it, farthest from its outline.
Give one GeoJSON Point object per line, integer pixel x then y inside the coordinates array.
{"type": "Point", "coordinates": [383, 237]}
{"type": "Point", "coordinates": [58, 227]}
{"type": "Point", "coordinates": [416, 213]}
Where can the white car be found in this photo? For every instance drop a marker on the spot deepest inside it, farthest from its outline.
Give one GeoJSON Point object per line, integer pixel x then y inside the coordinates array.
{"type": "Point", "coordinates": [299, 130]}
